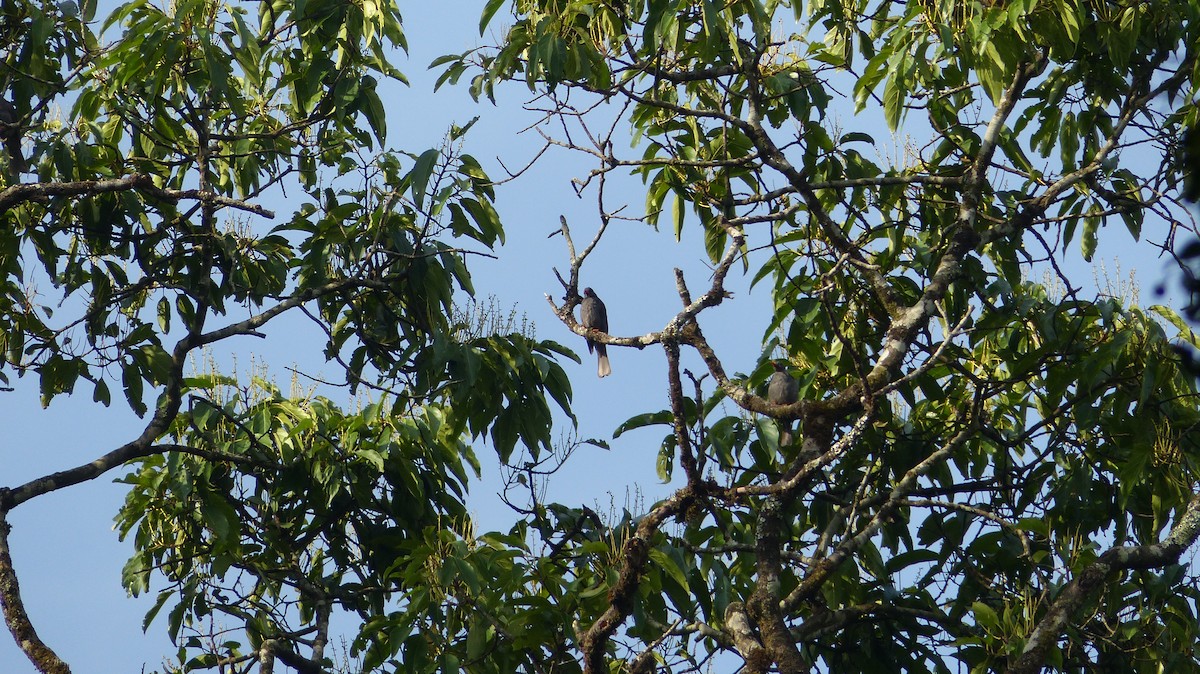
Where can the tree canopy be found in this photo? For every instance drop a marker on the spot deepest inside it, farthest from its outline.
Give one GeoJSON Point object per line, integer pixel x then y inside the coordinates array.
{"type": "Point", "coordinates": [989, 467]}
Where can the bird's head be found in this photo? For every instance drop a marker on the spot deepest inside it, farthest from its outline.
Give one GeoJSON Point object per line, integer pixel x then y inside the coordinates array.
{"type": "Point", "coordinates": [587, 292]}
{"type": "Point", "coordinates": [779, 365]}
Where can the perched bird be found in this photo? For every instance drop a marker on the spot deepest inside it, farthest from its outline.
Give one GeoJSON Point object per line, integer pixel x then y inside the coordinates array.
{"type": "Point", "coordinates": [593, 316]}
{"type": "Point", "coordinates": [783, 389]}
{"type": "Point", "coordinates": [10, 134]}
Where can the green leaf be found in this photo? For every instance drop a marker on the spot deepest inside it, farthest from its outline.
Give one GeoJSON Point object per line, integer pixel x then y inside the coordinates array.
{"type": "Point", "coordinates": [663, 418]}
{"type": "Point", "coordinates": [135, 575]}
{"type": "Point", "coordinates": [489, 10]}
{"type": "Point", "coordinates": [220, 518]}
{"type": "Point", "coordinates": [372, 456]}
{"type": "Point", "coordinates": [985, 616]}
{"type": "Point", "coordinates": [1091, 225]}
{"type": "Point", "coordinates": [1169, 315]}
{"type": "Point", "coordinates": [677, 212]}
{"type": "Point", "coordinates": [58, 375]}
{"type": "Point", "coordinates": [101, 393]}
{"type": "Point", "coordinates": [421, 172]}
{"type": "Point", "coordinates": [911, 558]}
{"type": "Point", "coordinates": [164, 314]}
{"type": "Point", "coordinates": [131, 382]}
{"type": "Point", "coordinates": [162, 599]}
{"type": "Point", "coordinates": [670, 565]}
{"type": "Point", "coordinates": [664, 465]}
{"type": "Point", "coordinates": [856, 137]}
{"type": "Point", "coordinates": [894, 96]}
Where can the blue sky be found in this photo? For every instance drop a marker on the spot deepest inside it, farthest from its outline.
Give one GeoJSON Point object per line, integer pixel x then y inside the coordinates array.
{"type": "Point", "coordinates": [66, 554]}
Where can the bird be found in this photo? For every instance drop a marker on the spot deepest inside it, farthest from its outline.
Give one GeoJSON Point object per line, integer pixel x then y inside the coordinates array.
{"type": "Point", "coordinates": [10, 134]}
{"type": "Point", "coordinates": [783, 389]}
{"type": "Point", "coordinates": [593, 316]}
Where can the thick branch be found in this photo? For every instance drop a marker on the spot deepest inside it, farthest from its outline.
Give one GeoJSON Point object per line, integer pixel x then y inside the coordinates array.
{"type": "Point", "coordinates": [281, 650]}
{"type": "Point", "coordinates": [140, 447]}
{"type": "Point", "coordinates": [42, 657]}
{"type": "Point", "coordinates": [764, 603]}
{"type": "Point", "coordinates": [168, 406]}
{"type": "Point", "coordinates": [687, 458]}
{"type": "Point", "coordinates": [15, 194]}
{"type": "Point", "coordinates": [634, 554]}
{"type": "Point", "coordinates": [1092, 580]}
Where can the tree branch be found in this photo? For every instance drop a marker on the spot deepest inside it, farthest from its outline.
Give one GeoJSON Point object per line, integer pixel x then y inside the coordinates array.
{"type": "Point", "coordinates": [16, 194]}
{"type": "Point", "coordinates": [634, 554]}
{"type": "Point", "coordinates": [41, 655]}
{"type": "Point", "coordinates": [1092, 580]}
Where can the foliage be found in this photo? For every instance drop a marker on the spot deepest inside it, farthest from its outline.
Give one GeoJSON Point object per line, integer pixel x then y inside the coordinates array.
{"type": "Point", "coordinates": [989, 472]}
{"type": "Point", "coordinates": [295, 495]}
{"type": "Point", "coordinates": [146, 236]}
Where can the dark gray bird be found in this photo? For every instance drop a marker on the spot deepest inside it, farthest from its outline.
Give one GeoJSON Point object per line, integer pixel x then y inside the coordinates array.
{"type": "Point", "coordinates": [783, 389]}
{"type": "Point", "coordinates": [10, 134]}
{"type": "Point", "coordinates": [593, 316]}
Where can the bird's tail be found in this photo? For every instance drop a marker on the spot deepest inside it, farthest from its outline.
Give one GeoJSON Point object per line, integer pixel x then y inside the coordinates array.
{"type": "Point", "coordinates": [602, 367]}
